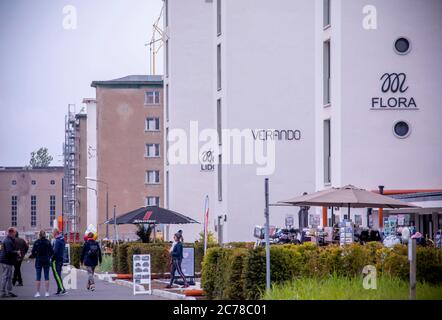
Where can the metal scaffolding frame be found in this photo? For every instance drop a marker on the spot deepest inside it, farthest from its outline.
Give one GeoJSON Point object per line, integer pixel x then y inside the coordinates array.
{"type": "Point", "coordinates": [70, 217]}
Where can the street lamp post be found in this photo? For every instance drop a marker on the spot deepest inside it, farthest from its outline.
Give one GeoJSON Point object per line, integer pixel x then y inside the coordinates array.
{"type": "Point", "coordinates": [107, 201]}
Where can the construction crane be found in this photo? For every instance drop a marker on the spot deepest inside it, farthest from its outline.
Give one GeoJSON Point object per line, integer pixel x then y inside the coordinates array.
{"type": "Point", "coordinates": [156, 42]}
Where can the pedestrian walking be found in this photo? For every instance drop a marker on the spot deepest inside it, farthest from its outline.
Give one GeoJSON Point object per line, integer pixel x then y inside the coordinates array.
{"type": "Point", "coordinates": [42, 252]}
{"type": "Point", "coordinates": [8, 257]}
{"type": "Point", "coordinates": [57, 260]}
{"type": "Point", "coordinates": [176, 255]}
{"type": "Point", "coordinates": [90, 257]}
{"type": "Point", "coordinates": [22, 246]}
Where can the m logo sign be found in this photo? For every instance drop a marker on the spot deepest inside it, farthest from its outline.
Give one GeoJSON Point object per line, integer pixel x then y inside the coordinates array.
{"type": "Point", "coordinates": [394, 84]}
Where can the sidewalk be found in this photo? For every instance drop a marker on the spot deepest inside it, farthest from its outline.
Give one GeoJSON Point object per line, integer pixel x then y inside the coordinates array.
{"type": "Point", "coordinates": [103, 289]}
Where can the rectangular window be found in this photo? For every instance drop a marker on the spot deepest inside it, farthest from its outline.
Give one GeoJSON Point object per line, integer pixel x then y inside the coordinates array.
{"type": "Point", "coordinates": [218, 17]}
{"type": "Point", "coordinates": [220, 178]}
{"type": "Point", "coordinates": [167, 58]}
{"type": "Point", "coordinates": [51, 209]}
{"type": "Point", "coordinates": [152, 201]}
{"type": "Point", "coordinates": [152, 97]}
{"type": "Point", "coordinates": [152, 150]}
{"type": "Point", "coordinates": [326, 13]}
{"type": "Point", "coordinates": [33, 211]}
{"type": "Point", "coordinates": [327, 151]}
{"type": "Point", "coordinates": [14, 211]}
{"type": "Point", "coordinates": [218, 121]}
{"type": "Point", "coordinates": [218, 66]}
{"type": "Point", "coordinates": [152, 124]}
{"type": "Point", "coordinates": [327, 72]}
{"type": "Point", "coordinates": [152, 177]}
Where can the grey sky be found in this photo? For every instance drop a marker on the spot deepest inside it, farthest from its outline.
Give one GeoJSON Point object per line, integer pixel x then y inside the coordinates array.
{"type": "Point", "coordinates": [44, 67]}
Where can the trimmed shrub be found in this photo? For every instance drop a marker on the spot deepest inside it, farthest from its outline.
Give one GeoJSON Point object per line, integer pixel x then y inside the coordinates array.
{"type": "Point", "coordinates": [429, 265]}
{"type": "Point", "coordinates": [159, 256]}
{"type": "Point", "coordinates": [239, 273]}
{"type": "Point", "coordinates": [234, 275]}
{"type": "Point", "coordinates": [75, 254]}
{"type": "Point", "coordinates": [209, 271]}
{"type": "Point", "coordinates": [121, 263]}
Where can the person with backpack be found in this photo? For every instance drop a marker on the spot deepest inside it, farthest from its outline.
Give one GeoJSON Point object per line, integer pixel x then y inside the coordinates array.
{"type": "Point", "coordinates": [57, 260]}
{"type": "Point", "coordinates": [42, 252]}
{"type": "Point", "coordinates": [8, 257]}
{"type": "Point", "coordinates": [22, 246]}
{"type": "Point", "coordinates": [90, 257]}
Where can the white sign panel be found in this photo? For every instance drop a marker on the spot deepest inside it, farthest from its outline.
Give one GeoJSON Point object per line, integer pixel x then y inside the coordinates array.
{"type": "Point", "coordinates": [141, 274]}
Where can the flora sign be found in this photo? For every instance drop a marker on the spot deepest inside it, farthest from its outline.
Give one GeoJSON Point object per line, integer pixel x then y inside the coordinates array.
{"type": "Point", "coordinates": [394, 88]}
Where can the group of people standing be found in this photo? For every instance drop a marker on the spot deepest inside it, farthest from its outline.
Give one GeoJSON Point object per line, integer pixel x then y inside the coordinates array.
{"type": "Point", "coordinates": [51, 256]}
{"type": "Point", "coordinates": [13, 251]}
{"type": "Point", "coordinates": [47, 256]}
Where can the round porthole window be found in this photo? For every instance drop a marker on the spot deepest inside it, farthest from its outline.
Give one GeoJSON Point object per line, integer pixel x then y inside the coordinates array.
{"type": "Point", "coordinates": [401, 129]}
{"type": "Point", "coordinates": [402, 45]}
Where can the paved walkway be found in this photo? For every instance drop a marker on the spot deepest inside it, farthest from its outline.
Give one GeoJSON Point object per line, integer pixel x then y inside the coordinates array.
{"type": "Point", "coordinates": [103, 289]}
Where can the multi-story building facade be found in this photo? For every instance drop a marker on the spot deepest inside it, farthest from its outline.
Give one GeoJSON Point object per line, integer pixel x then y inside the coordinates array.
{"type": "Point", "coordinates": [30, 198]}
{"type": "Point", "coordinates": [82, 157]}
{"type": "Point", "coordinates": [347, 90]}
{"type": "Point", "coordinates": [129, 148]}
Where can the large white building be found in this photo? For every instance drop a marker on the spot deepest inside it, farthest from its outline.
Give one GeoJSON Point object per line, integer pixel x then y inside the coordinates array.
{"type": "Point", "coordinates": [348, 90]}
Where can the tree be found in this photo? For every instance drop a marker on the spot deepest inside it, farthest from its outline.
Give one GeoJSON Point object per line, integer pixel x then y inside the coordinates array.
{"type": "Point", "coordinates": [40, 158]}
{"type": "Point", "coordinates": [210, 238]}
{"type": "Point", "coordinates": [144, 233]}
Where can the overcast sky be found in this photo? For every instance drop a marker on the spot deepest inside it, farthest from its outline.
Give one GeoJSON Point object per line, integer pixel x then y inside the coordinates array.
{"type": "Point", "coordinates": [44, 67]}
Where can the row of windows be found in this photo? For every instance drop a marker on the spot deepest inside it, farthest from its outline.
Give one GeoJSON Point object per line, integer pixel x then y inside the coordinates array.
{"type": "Point", "coordinates": [14, 210]}
{"type": "Point", "coordinates": [33, 182]}
{"type": "Point", "coordinates": [33, 211]}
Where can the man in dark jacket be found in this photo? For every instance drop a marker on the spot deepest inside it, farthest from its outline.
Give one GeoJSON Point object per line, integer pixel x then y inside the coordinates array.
{"type": "Point", "coordinates": [90, 256]}
{"type": "Point", "coordinates": [8, 257]}
{"type": "Point", "coordinates": [22, 247]}
{"type": "Point", "coordinates": [57, 260]}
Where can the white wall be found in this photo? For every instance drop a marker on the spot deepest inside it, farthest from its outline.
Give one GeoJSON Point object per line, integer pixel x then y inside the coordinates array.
{"type": "Point", "coordinates": [190, 99]}
{"type": "Point", "coordinates": [269, 83]}
{"type": "Point", "coordinates": [371, 154]}
{"type": "Point", "coordinates": [91, 107]}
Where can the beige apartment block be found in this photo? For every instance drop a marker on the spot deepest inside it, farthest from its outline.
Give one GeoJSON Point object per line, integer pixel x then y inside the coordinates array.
{"type": "Point", "coordinates": [130, 148]}
{"type": "Point", "coordinates": [30, 198]}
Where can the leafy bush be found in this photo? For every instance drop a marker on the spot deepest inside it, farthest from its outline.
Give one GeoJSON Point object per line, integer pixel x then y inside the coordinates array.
{"type": "Point", "coordinates": [75, 254]}
{"type": "Point", "coordinates": [239, 273]}
{"type": "Point", "coordinates": [234, 275]}
{"type": "Point", "coordinates": [159, 256]}
{"type": "Point", "coordinates": [121, 258]}
{"type": "Point", "coordinates": [209, 271]}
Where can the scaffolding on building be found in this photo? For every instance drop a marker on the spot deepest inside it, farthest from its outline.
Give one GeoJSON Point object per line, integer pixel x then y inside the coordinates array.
{"type": "Point", "coordinates": [70, 217]}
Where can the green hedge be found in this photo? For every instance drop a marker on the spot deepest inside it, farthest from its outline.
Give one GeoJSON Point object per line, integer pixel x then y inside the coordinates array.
{"type": "Point", "coordinates": [122, 256]}
{"type": "Point", "coordinates": [75, 254]}
{"type": "Point", "coordinates": [233, 273]}
{"type": "Point", "coordinates": [159, 255]}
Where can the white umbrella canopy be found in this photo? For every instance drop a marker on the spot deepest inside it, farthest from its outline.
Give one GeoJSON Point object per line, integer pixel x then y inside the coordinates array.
{"type": "Point", "coordinates": [348, 196]}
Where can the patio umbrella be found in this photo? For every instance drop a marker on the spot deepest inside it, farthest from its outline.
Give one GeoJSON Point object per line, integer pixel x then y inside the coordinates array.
{"type": "Point", "coordinates": [152, 215]}
{"type": "Point", "coordinates": [348, 196]}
